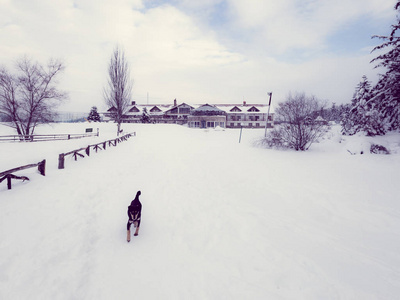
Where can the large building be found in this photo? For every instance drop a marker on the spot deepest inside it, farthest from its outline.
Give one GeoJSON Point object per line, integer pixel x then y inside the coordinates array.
{"type": "Point", "coordinates": [199, 116]}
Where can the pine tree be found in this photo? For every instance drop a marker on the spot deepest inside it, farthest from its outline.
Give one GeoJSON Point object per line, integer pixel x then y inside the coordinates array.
{"type": "Point", "coordinates": [145, 116]}
{"type": "Point", "coordinates": [387, 91]}
{"type": "Point", "coordinates": [363, 114]}
{"type": "Point", "coordinates": [334, 113]}
{"type": "Point", "coordinates": [94, 115]}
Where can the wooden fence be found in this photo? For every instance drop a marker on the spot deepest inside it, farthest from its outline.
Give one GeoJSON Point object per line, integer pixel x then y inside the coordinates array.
{"type": "Point", "coordinates": [61, 159]}
{"type": "Point", "coordinates": [8, 174]}
{"type": "Point", "coordinates": [96, 147]}
{"type": "Point", "coordinates": [44, 137]}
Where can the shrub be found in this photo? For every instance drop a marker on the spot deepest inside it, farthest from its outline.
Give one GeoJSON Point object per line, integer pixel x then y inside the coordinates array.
{"type": "Point", "coordinates": [378, 149]}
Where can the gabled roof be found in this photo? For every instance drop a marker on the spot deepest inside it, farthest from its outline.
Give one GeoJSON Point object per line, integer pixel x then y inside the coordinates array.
{"type": "Point", "coordinates": [207, 110]}
{"type": "Point", "coordinates": [235, 109]}
{"type": "Point", "coordinates": [182, 104]}
{"type": "Point", "coordinates": [159, 109]}
{"type": "Point", "coordinates": [134, 109]}
{"type": "Point", "coordinates": [244, 109]}
{"type": "Point", "coordinates": [155, 109]}
{"type": "Point", "coordinates": [208, 107]}
{"type": "Point", "coordinates": [253, 109]}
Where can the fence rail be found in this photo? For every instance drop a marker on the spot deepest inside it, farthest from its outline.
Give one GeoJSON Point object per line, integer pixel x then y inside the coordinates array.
{"type": "Point", "coordinates": [9, 173]}
{"type": "Point", "coordinates": [44, 137]}
{"type": "Point", "coordinates": [99, 146]}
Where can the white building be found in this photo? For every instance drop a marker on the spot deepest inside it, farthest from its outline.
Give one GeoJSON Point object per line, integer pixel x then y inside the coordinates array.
{"type": "Point", "coordinates": [200, 116]}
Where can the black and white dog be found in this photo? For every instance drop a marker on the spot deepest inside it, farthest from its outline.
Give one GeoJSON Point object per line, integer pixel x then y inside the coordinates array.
{"type": "Point", "coordinates": [134, 214]}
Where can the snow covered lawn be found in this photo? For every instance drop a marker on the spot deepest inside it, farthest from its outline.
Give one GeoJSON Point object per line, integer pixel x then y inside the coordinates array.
{"type": "Point", "coordinates": [221, 220]}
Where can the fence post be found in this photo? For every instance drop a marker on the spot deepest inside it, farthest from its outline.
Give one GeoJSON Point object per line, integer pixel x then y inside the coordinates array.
{"type": "Point", "coordinates": [87, 150]}
{"type": "Point", "coordinates": [9, 182]}
{"type": "Point", "coordinates": [42, 167]}
{"type": "Point", "coordinates": [61, 161]}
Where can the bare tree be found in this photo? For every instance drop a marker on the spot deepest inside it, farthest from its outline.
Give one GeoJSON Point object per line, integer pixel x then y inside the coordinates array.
{"type": "Point", "coordinates": [117, 93]}
{"type": "Point", "coordinates": [30, 97]}
{"type": "Point", "coordinates": [299, 123]}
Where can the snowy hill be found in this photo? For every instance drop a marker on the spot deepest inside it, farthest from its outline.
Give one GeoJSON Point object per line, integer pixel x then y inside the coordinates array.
{"type": "Point", "coordinates": [221, 220]}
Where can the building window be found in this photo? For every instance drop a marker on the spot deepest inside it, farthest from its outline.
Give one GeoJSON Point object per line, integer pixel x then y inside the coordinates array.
{"type": "Point", "coordinates": [210, 124]}
{"type": "Point", "coordinates": [257, 124]}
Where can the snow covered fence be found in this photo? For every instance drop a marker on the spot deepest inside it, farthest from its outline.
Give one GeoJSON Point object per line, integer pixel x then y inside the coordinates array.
{"type": "Point", "coordinates": [8, 174]}
{"type": "Point", "coordinates": [44, 137]}
{"type": "Point", "coordinates": [96, 147]}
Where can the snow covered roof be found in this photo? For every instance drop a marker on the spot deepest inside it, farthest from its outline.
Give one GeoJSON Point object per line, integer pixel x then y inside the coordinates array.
{"type": "Point", "coordinates": [179, 105]}
{"type": "Point", "coordinates": [244, 108]}
{"type": "Point", "coordinates": [207, 107]}
{"type": "Point", "coordinates": [160, 109]}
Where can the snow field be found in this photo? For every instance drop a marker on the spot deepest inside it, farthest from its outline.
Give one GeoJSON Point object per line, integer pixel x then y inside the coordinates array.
{"type": "Point", "coordinates": [220, 220]}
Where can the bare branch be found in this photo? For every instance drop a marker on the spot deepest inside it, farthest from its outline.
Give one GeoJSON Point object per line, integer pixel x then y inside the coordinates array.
{"type": "Point", "coordinates": [29, 97]}
{"type": "Point", "coordinates": [117, 93]}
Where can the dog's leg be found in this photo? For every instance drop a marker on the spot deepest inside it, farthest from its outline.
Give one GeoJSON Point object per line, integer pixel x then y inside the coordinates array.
{"type": "Point", "coordinates": [128, 235]}
{"type": "Point", "coordinates": [137, 226]}
{"type": "Point", "coordinates": [137, 231]}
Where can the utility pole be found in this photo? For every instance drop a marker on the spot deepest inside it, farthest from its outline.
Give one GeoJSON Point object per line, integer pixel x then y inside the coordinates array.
{"type": "Point", "coordinates": [241, 128]}
{"type": "Point", "coordinates": [269, 106]}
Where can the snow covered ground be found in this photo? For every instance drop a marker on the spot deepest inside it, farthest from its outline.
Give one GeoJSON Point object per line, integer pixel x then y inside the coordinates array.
{"type": "Point", "coordinates": [221, 220]}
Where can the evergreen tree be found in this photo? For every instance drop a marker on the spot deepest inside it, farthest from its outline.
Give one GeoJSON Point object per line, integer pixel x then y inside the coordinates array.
{"type": "Point", "coordinates": [334, 112]}
{"type": "Point", "coordinates": [387, 91]}
{"type": "Point", "coordinates": [363, 114]}
{"type": "Point", "coordinates": [145, 116]}
{"type": "Point", "coordinates": [94, 115]}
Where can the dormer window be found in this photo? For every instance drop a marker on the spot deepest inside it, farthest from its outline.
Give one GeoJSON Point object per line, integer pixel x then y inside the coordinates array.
{"type": "Point", "coordinates": [236, 109]}
{"type": "Point", "coordinates": [253, 109]}
{"type": "Point", "coordinates": [155, 109]}
{"type": "Point", "coordinates": [134, 109]}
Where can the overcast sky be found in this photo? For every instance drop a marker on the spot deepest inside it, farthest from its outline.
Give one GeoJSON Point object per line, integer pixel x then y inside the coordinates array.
{"type": "Point", "coordinates": [208, 51]}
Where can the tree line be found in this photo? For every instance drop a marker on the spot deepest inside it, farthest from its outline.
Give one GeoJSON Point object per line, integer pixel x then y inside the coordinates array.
{"type": "Point", "coordinates": [29, 97]}
{"type": "Point", "coordinates": [375, 109]}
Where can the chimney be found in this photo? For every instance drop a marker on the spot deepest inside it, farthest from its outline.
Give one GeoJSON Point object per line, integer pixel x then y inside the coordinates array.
{"type": "Point", "coordinates": [244, 103]}
{"type": "Point", "coordinates": [133, 102]}
{"type": "Point", "coordinates": [175, 102]}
